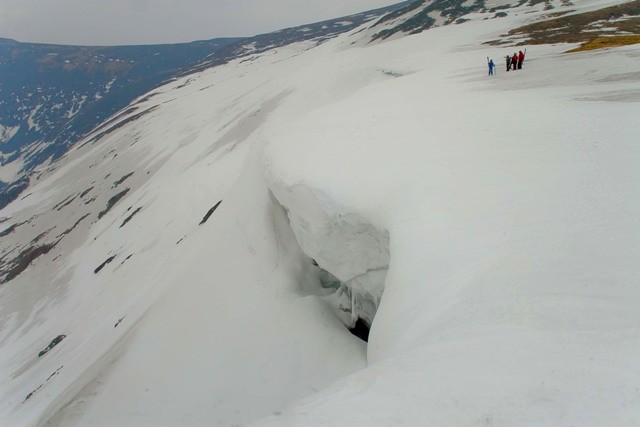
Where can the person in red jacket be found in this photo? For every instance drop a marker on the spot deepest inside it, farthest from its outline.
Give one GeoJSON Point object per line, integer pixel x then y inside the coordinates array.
{"type": "Point", "coordinates": [514, 61]}
{"type": "Point", "coordinates": [520, 60]}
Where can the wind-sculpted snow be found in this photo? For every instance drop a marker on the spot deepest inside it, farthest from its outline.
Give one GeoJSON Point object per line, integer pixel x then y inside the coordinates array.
{"type": "Point", "coordinates": [344, 244]}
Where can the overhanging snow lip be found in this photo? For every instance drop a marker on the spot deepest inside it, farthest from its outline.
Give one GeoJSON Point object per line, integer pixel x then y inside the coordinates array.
{"type": "Point", "coordinates": [344, 244]}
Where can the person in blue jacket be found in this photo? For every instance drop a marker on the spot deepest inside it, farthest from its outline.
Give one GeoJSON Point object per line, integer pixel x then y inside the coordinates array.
{"type": "Point", "coordinates": [491, 66]}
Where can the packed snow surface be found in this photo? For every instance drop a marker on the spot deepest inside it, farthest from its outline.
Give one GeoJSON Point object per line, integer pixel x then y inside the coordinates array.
{"type": "Point", "coordinates": [488, 228]}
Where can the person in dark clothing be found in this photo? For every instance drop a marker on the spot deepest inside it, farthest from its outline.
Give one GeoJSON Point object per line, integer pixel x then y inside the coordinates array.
{"type": "Point", "coordinates": [520, 60]}
{"type": "Point", "coordinates": [514, 61]}
{"type": "Point", "coordinates": [508, 58]}
{"type": "Point", "coordinates": [491, 66]}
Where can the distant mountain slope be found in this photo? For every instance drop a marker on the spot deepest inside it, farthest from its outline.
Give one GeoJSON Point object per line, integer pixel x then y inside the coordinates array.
{"type": "Point", "coordinates": [52, 95]}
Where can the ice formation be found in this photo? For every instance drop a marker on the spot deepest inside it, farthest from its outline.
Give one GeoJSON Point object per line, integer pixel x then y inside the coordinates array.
{"type": "Point", "coordinates": [351, 252]}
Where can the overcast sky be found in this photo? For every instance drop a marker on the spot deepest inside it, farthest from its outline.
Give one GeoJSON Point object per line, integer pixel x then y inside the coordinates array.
{"type": "Point", "coordinates": [117, 22]}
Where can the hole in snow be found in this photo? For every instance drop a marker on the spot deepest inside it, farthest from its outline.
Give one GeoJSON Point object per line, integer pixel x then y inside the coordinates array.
{"type": "Point", "coordinates": [356, 310]}
{"type": "Point", "coordinates": [361, 330]}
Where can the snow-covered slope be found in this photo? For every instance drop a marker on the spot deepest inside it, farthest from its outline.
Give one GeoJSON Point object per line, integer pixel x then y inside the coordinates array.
{"type": "Point", "coordinates": [195, 261]}
{"type": "Point", "coordinates": [51, 96]}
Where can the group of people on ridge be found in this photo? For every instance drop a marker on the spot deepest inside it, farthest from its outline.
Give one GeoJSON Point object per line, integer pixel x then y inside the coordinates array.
{"type": "Point", "coordinates": [513, 62]}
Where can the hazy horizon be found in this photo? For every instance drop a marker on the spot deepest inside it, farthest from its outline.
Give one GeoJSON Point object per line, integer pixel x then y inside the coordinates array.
{"type": "Point", "coordinates": [142, 22]}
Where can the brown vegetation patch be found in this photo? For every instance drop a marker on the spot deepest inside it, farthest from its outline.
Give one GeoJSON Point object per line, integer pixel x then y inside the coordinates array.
{"type": "Point", "coordinates": [622, 19]}
{"type": "Point", "coordinates": [604, 42]}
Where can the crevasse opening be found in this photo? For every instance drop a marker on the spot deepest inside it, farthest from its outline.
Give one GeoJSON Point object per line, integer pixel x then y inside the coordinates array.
{"type": "Point", "coordinates": [355, 310]}
{"type": "Point", "coordinates": [351, 255]}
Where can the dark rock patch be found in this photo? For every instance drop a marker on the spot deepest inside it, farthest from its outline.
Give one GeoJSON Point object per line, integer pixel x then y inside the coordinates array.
{"type": "Point", "coordinates": [112, 201]}
{"type": "Point", "coordinates": [30, 395]}
{"type": "Point", "coordinates": [40, 236]}
{"type": "Point", "coordinates": [8, 231]}
{"type": "Point", "coordinates": [185, 84]}
{"type": "Point", "coordinates": [422, 20]}
{"type": "Point", "coordinates": [118, 322]}
{"type": "Point", "coordinates": [118, 125]}
{"type": "Point", "coordinates": [127, 219]}
{"type": "Point", "coordinates": [62, 202]}
{"type": "Point", "coordinates": [69, 230]}
{"type": "Point", "coordinates": [210, 212]}
{"type": "Point", "coordinates": [67, 203]}
{"type": "Point", "coordinates": [101, 266]}
{"type": "Point", "coordinates": [116, 118]}
{"type": "Point", "coordinates": [10, 269]}
{"type": "Point", "coordinates": [121, 180]}
{"type": "Point", "coordinates": [85, 192]}
{"type": "Point", "coordinates": [12, 191]}
{"type": "Point", "coordinates": [57, 340]}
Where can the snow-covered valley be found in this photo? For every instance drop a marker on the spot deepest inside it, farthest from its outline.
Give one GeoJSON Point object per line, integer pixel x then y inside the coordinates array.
{"type": "Point", "coordinates": [197, 260]}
